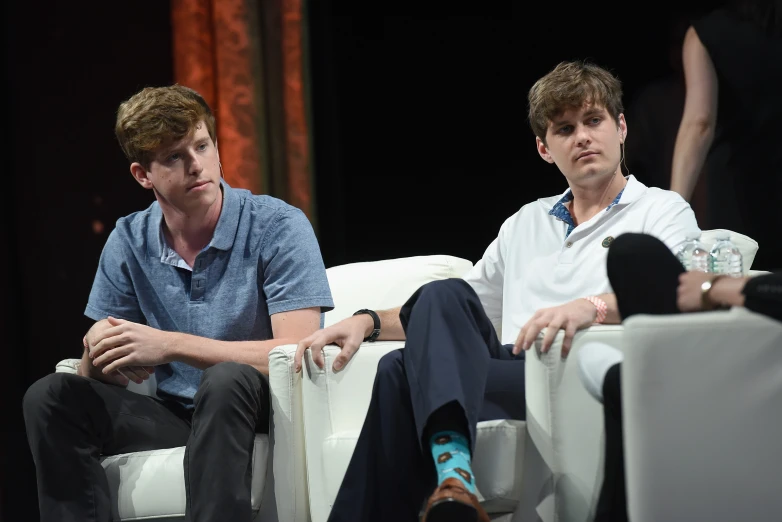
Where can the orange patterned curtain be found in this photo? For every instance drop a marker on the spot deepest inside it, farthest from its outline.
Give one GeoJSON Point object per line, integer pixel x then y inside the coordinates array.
{"type": "Point", "coordinates": [248, 61]}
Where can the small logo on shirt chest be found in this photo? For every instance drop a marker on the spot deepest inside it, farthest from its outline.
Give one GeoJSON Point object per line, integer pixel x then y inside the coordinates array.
{"type": "Point", "coordinates": [607, 241]}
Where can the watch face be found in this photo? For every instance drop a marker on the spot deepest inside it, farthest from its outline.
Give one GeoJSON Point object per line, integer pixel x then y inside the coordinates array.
{"type": "Point", "coordinates": [706, 303]}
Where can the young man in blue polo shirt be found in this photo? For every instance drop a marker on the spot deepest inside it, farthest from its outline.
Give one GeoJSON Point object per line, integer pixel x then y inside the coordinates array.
{"type": "Point", "coordinates": [198, 288]}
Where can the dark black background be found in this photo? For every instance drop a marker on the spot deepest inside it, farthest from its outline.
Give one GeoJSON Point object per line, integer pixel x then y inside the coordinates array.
{"type": "Point", "coordinates": [420, 134]}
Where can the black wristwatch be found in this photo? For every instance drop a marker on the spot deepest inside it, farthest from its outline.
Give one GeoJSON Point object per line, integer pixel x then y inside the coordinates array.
{"type": "Point", "coordinates": [376, 326]}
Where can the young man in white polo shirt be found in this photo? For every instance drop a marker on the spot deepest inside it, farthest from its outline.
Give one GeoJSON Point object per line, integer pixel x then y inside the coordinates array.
{"type": "Point", "coordinates": [546, 269]}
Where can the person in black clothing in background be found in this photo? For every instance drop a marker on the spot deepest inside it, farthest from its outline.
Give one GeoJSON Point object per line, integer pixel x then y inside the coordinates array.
{"type": "Point", "coordinates": [648, 279]}
{"type": "Point", "coordinates": [730, 128]}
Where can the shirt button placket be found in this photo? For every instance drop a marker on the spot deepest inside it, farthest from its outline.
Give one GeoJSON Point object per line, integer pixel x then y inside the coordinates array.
{"type": "Point", "coordinates": [198, 282]}
{"type": "Point", "coordinates": [566, 255]}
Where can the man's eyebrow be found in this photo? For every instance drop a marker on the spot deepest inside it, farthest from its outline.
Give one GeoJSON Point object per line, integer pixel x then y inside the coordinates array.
{"type": "Point", "coordinates": [587, 114]}
{"type": "Point", "coordinates": [592, 112]}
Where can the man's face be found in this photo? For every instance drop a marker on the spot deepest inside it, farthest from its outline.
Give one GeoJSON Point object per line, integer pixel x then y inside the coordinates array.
{"type": "Point", "coordinates": [186, 174]}
{"type": "Point", "coordinates": [584, 143]}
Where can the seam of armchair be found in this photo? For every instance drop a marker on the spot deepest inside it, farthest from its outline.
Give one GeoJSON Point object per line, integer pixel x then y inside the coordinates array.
{"type": "Point", "coordinates": [503, 427]}
{"type": "Point", "coordinates": [311, 370]}
{"type": "Point", "coordinates": [330, 352]}
{"type": "Point", "coordinates": [291, 379]}
{"type": "Point", "coordinates": [145, 454]}
{"type": "Point", "coordinates": [288, 356]}
{"type": "Point", "coordinates": [157, 517]}
{"type": "Point", "coordinates": [327, 362]}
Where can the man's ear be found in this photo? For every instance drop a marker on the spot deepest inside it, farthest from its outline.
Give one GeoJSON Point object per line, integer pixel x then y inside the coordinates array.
{"type": "Point", "coordinates": [140, 174]}
{"type": "Point", "coordinates": [219, 164]}
{"type": "Point", "coordinates": [622, 128]}
{"type": "Point", "coordinates": [543, 150]}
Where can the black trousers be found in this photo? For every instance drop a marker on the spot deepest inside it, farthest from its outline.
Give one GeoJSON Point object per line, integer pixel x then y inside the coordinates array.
{"type": "Point", "coordinates": [452, 357]}
{"type": "Point", "coordinates": [645, 276]}
{"type": "Point", "coordinates": [72, 420]}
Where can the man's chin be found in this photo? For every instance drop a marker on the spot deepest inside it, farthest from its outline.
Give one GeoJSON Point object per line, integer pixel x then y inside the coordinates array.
{"type": "Point", "coordinates": [201, 198]}
{"type": "Point", "coordinates": [591, 176]}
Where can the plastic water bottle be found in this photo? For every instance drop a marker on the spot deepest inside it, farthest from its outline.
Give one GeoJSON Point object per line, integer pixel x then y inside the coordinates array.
{"type": "Point", "coordinates": [693, 254]}
{"type": "Point", "coordinates": [725, 257]}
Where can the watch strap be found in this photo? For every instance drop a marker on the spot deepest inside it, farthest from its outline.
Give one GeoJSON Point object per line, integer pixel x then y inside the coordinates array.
{"type": "Point", "coordinates": [372, 337]}
{"type": "Point", "coordinates": [706, 286]}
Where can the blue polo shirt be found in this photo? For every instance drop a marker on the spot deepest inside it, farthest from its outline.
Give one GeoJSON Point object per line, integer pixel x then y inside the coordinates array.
{"type": "Point", "coordinates": [263, 259]}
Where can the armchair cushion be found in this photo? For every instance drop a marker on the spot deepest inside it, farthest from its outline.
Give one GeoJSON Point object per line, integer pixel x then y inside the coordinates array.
{"type": "Point", "coordinates": [150, 484]}
{"type": "Point", "coordinates": [499, 448]}
{"type": "Point", "coordinates": [380, 285]}
{"type": "Point", "coordinates": [746, 245]}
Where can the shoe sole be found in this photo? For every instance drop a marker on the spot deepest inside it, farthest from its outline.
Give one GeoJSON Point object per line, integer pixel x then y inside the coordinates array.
{"type": "Point", "coordinates": [450, 510]}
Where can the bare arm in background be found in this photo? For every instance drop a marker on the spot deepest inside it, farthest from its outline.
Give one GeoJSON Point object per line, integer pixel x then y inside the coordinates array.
{"type": "Point", "coordinates": [696, 131]}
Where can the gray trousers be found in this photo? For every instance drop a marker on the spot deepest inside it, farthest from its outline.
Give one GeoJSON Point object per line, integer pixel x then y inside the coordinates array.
{"type": "Point", "coordinates": [72, 420]}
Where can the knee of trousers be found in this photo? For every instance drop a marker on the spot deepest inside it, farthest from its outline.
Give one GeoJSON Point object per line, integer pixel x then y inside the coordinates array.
{"type": "Point", "coordinates": [228, 381]}
{"type": "Point", "coordinates": [631, 253]}
{"type": "Point", "coordinates": [391, 370]}
{"type": "Point", "coordinates": [446, 290]}
{"type": "Point", "coordinates": [54, 389]}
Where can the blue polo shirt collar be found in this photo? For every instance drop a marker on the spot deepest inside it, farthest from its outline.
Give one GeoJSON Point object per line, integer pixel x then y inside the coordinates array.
{"type": "Point", "coordinates": [228, 222]}
{"type": "Point", "coordinates": [222, 239]}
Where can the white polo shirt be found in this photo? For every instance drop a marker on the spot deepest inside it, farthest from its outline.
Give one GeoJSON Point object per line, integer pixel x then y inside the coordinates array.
{"type": "Point", "coordinates": [534, 263]}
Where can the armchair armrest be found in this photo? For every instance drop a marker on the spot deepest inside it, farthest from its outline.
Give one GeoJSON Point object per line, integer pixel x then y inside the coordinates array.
{"type": "Point", "coordinates": [701, 397]}
{"type": "Point", "coordinates": [566, 424]}
{"type": "Point", "coordinates": [288, 457]}
{"type": "Point", "coordinates": [335, 403]}
{"type": "Point", "coordinates": [68, 366]}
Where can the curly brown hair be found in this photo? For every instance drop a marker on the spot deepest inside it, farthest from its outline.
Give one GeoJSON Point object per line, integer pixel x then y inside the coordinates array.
{"type": "Point", "coordinates": [157, 116]}
{"type": "Point", "coordinates": [571, 85]}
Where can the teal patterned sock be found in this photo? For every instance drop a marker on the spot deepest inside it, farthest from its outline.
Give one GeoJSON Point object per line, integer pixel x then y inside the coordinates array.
{"type": "Point", "coordinates": [451, 454]}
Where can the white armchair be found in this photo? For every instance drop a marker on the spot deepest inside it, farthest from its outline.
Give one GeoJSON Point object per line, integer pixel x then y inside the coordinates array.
{"type": "Point", "coordinates": [565, 423]}
{"type": "Point", "coordinates": [701, 396]}
{"type": "Point", "coordinates": [150, 485]}
{"type": "Point", "coordinates": [334, 405]}
{"type": "Point", "coordinates": [548, 468]}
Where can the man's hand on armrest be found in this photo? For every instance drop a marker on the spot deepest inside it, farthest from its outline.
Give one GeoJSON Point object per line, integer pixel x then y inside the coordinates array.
{"type": "Point", "coordinates": [348, 334]}
{"type": "Point", "coordinates": [570, 317]}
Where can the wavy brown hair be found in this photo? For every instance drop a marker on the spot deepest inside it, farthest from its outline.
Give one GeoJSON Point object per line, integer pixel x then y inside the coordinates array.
{"type": "Point", "coordinates": [571, 85]}
{"type": "Point", "coordinates": [158, 116]}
